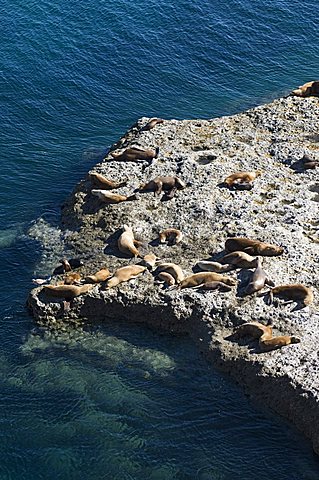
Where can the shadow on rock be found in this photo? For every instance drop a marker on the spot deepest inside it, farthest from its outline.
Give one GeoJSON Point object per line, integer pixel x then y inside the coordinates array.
{"type": "Point", "coordinates": [92, 204]}
{"type": "Point", "coordinates": [111, 247]}
{"type": "Point", "coordinates": [297, 167]}
{"type": "Point", "coordinates": [244, 275]}
{"type": "Point", "coordinates": [251, 344]}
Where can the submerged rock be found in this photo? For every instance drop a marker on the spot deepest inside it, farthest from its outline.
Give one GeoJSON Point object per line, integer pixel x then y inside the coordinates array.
{"type": "Point", "coordinates": [281, 209]}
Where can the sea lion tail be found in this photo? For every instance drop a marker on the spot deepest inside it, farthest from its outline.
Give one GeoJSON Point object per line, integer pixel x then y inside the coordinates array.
{"type": "Point", "coordinates": [131, 197]}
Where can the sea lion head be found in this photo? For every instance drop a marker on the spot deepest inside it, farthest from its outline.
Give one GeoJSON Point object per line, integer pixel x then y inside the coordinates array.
{"type": "Point", "coordinates": [272, 250]}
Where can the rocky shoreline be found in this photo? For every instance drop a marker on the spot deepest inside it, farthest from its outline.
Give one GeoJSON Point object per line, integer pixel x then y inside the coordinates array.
{"type": "Point", "coordinates": [281, 208]}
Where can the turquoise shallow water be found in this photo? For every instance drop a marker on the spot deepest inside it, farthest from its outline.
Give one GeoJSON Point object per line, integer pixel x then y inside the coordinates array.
{"type": "Point", "coordinates": [124, 402]}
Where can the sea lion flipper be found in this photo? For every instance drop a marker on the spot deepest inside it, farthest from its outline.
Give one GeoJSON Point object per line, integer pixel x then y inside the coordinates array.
{"type": "Point", "coordinates": [159, 187]}
{"type": "Point", "coordinates": [170, 194]}
{"type": "Point", "coordinates": [270, 298]}
{"type": "Point", "coordinates": [269, 282]}
{"type": "Point", "coordinates": [137, 243]}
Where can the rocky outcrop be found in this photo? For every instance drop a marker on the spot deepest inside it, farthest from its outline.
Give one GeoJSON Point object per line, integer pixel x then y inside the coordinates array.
{"type": "Point", "coordinates": [281, 208]}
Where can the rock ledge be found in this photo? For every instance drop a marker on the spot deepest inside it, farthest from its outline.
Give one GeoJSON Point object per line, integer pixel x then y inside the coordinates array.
{"type": "Point", "coordinates": [282, 208]}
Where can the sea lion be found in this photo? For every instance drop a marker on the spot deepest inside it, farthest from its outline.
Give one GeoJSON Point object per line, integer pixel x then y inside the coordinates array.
{"type": "Point", "coordinates": [158, 184]}
{"type": "Point", "coordinates": [68, 292]}
{"type": "Point", "coordinates": [252, 247]}
{"type": "Point", "coordinates": [264, 332]}
{"type": "Point", "coordinates": [151, 124]}
{"type": "Point", "coordinates": [239, 260]}
{"type": "Point", "coordinates": [171, 236]}
{"type": "Point", "coordinates": [214, 285]}
{"type": "Point", "coordinates": [104, 182]}
{"type": "Point", "coordinates": [173, 269]}
{"type": "Point", "coordinates": [136, 153]}
{"type": "Point", "coordinates": [296, 291]}
{"type": "Point", "coordinates": [71, 278]}
{"type": "Point", "coordinates": [254, 330]}
{"type": "Point", "coordinates": [111, 197]}
{"type": "Point", "coordinates": [208, 266]}
{"type": "Point", "coordinates": [204, 277]}
{"type": "Point", "coordinates": [239, 179]}
{"type": "Point", "coordinates": [99, 276]}
{"type": "Point", "coordinates": [167, 278]}
{"type": "Point", "coordinates": [126, 243]}
{"type": "Point", "coordinates": [149, 261]}
{"type": "Point", "coordinates": [258, 279]}
{"type": "Point", "coordinates": [309, 163]}
{"type": "Point", "coordinates": [307, 89]}
{"type": "Point", "coordinates": [269, 344]}
{"type": "Point", "coordinates": [124, 274]}
{"type": "Point", "coordinates": [67, 265]}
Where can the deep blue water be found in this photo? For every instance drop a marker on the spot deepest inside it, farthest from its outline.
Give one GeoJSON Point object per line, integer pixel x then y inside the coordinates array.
{"type": "Point", "coordinates": [124, 402]}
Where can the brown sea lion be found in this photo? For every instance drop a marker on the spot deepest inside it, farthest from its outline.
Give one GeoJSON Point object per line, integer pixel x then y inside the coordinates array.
{"type": "Point", "coordinates": [254, 330]}
{"type": "Point", "coordinates": [68, 292]}
{"type": "Point", "coordinates": [204, 277]}
{"type": "Point", "coordinates": [149, 261]}
{"type": "Point", "coordinates": [296, 291]}
{"type": "Point", "coordinates": [105, 183]}
{"type": "Point", "coordinates": [126, 242]}
{"type": "Point", "coordinates": [151, 124]}
{"type": "Point", "coordinates": [171, 236]}
{"type": "Point", "coordinates": [111, 197]}
{"type": "Point", "coordinates": [269, 344]}
{"type": "Point", "coordinates": [175, 270]}
{"type": "Point", "coordinates": [239, 260]}
{"type": "Point", "coordinates": [264, 332]}
{"type": "Point", "coordinates": [124, 274]}
{"type": "Point", "coordinates": [307, 89]}
{"type": "Point", "coordinates": [214, 285]}
{"type": "Point", "coordinates": [67, 265]}
{"type": "Point", "coordinates": [208, 266]}
{"type": "Point", "coordinates": [258, 280]}
{"type": "Point", "coordinates": [158, 184]}
{"type": "Point", "coordinates": [240, 178]}
{"type": "Point", "coordinates": [167, 278]}
{"type": "Point", "coordinates": [72, 278]}
{"type": "Point", "coordinates": [136, 153]}
{"type": "Point", "coordinates": [99, 276]}
{"type": "Point", "coordinates": [252, 247]}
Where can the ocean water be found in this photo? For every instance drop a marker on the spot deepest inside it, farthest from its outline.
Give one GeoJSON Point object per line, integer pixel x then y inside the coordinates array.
{"type": "Point", "coordinates": [124, 402]}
